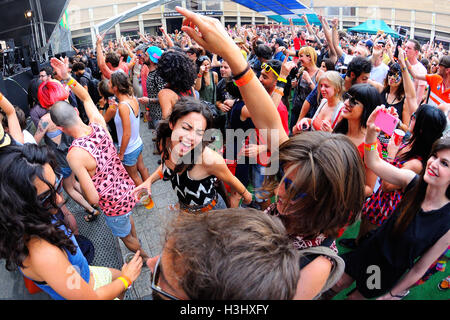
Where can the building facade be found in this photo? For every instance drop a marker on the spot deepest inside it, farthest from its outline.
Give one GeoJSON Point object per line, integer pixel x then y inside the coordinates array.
{"type": "Point", "coordinates": [420, 19]}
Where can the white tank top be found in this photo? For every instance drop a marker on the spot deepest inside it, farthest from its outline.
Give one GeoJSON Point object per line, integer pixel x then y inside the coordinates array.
{"type": "Point", "coordinates": [135, 139]}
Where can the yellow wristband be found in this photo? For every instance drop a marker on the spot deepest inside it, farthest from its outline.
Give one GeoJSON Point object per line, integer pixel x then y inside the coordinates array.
{"type": "Point", "coordinates": [282, 80]}
{"type": "Point", "coordinates": [125, 282]}
{"type": "Point", "coordinates": [71, 81]}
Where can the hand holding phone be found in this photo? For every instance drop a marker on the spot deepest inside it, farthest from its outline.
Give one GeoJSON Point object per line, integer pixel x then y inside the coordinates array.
{"type": "Point", "coordinates": [386, 122]}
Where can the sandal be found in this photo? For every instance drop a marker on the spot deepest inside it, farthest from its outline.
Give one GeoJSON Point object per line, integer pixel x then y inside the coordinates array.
{"type": "Point", "coordinates": [91, 216]}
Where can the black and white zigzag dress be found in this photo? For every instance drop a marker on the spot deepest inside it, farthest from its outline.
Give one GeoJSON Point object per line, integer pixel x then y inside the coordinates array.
{"type": "Point", "coordinates": [190, 192]}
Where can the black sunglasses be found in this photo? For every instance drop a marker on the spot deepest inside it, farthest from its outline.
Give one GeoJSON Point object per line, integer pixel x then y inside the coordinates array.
{"type": "Point", "coordinates": [47, 198]}
{"type": "Point", "coordinates": [351, 100]}
{"type": "Point", "coordinates": [155, 277]}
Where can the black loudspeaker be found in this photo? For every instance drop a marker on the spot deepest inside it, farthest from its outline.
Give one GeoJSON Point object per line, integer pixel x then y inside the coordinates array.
{"type": "Point", "coordinates": [34, 67]}
{"type": "Point", "coordinates": [16, 88]}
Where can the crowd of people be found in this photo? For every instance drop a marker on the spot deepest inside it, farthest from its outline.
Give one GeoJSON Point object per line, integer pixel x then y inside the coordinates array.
{"type": "Point", "coordinates": [336, 128]}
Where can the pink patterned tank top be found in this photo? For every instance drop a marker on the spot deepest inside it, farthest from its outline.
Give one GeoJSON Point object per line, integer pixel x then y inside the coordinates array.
{"type": "Point", "coordinates": [113, 184]}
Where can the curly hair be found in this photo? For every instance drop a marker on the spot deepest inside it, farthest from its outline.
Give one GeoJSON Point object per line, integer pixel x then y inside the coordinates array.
{"type": "Point", "coordinates": [177, 70]}
{"type": "Point", "coordinates": [22, 216]}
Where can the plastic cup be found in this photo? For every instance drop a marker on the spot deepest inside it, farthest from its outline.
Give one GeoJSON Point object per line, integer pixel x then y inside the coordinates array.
{"type": "Point", "coordinates": [145, 199]}
{"type": "Point", "coordinates": [398, 136]}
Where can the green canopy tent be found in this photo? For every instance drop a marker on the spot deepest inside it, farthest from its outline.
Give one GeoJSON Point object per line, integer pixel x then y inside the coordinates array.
{"type": "Point", "coordinates": [372, 27]}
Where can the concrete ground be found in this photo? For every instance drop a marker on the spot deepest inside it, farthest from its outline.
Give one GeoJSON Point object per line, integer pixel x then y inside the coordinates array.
{"type": "Point", "coordinates": [109, 250]}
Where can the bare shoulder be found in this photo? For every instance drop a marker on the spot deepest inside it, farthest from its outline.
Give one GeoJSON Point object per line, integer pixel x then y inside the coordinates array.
{"type": "Point", "coordinates": [211, 159]}
{"type": "Point", "coordinates": [79, 157]}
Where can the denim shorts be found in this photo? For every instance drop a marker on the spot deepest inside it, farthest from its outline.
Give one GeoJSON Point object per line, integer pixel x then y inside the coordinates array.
{"type": "Point", "coordinates": [119, 225]}
{"type": "Point", "coordinates": [220, 203]}
{"type": "Point", "coordinates": [130, 159]}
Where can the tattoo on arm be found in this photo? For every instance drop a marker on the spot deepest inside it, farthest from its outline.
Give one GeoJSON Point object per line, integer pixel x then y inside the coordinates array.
{"type": "Point", "coordinates": [42, 126]}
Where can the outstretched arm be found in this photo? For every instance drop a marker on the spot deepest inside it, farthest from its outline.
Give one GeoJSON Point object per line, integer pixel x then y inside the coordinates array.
{"type": "Point", "coordinates": [419, 268]}
{"type": "Point", "coordinates": [212, 36]}
{"type": "Point", "coordinates": [106, 72]}
{"type": "Point", "coordinates": [386, 171]}
{"type": "Point", "coordinates": [61, 68]}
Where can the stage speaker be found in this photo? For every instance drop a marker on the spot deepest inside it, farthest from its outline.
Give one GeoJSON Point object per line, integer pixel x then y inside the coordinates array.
{"type": "Point", "coordinates": [34, 67]}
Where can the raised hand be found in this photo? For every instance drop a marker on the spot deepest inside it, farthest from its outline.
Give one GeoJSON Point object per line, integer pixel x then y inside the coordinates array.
{"type": "Point", "coordinates": [61, 67]}
{"type": "Point", "coordinates": [208, 33]}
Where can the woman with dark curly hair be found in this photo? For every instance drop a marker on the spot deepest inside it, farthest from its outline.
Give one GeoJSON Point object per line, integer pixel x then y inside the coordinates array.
{"type": "Point", "coordinates": [192, 167]}
{"type": "Point", "coordinates": [40, 244]}
{"type": "Point", "coordinates": [179, 72]}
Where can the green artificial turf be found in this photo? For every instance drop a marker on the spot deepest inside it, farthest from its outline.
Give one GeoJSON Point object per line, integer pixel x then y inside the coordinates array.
{"type": "Point", "coordinates": [427, 291]}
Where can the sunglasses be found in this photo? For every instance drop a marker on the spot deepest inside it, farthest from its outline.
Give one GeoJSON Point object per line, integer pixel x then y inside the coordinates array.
{"type": "Point", "coordinates": [351, 100]}
{"type": "Point", "coordinates": [47, 198]}
{"type": "Point", "coordinates": [268, 68]}
{"type": "Point", "coordinates": [155, 278]}
{"type": "Point", "coordinates": [288, 183]}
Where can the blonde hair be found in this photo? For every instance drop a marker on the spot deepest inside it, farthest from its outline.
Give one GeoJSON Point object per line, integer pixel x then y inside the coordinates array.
{"type": "Point", "coordinates": [336, 81]}
{"type": "Point", "coordinates": [309, 51]}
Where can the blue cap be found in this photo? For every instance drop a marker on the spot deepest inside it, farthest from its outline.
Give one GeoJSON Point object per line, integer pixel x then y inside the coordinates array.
{"type": "Point", "coordinates": [369, 43]}
{"type": "Point", "coordinates": [154, 53]}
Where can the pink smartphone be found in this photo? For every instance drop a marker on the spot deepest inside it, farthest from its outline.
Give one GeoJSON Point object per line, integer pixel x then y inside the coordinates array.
{"type": "Point", "coordinates": [386, 122]}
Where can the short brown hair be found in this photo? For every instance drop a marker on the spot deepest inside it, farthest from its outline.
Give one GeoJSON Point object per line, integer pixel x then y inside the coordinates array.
{"type": "Point", "coordinates": [233, 254]}
{"type": "Point", "coordinates": [416, 44]}
{"type": "Point", "coordinates": [112, 58]}
{"type": "Point", "coordinates": [330, 172]}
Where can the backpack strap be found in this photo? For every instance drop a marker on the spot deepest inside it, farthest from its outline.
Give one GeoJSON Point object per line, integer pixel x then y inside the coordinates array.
{"type": "Point", "coordinates": [336, 271]}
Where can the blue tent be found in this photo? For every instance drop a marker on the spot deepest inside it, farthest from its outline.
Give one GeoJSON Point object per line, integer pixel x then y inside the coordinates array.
{"type": "Point", "coordinates": [373, 26]}
{"type": "Point", "coordinates": [281, 10]}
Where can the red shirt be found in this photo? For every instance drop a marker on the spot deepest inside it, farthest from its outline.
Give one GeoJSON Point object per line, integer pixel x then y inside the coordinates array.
{"type": "Point", "coordinates": [298, 43]}
{"type": "Point", "coordinates": [263, 158]}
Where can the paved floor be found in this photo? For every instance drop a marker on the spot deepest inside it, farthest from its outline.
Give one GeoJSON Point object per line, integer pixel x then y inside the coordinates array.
{"type": "Point", "coordinates": [110, 251]}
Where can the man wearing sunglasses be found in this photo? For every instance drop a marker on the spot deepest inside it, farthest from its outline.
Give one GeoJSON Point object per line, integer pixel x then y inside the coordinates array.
{"type": "Point", "coordinates": [270, 75]}
{"type": "Point", "coordinates": [231, 254]}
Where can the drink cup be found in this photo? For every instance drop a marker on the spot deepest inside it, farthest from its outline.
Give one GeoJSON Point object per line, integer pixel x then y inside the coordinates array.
{"type": "Point", "coordinates": [398, 136]}
{"type": "Point", "coordinates": [145, 199]}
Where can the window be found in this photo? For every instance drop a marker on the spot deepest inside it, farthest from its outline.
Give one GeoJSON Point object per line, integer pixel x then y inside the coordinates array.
{"type": "Point", "coordinates": [194, 4]}
{"type": "Point", "coordinates": [171, 5]}
{"type": "Point", "coordinates": [346, 11]}
{"type": "Point", "coordinates": [213, 4]}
